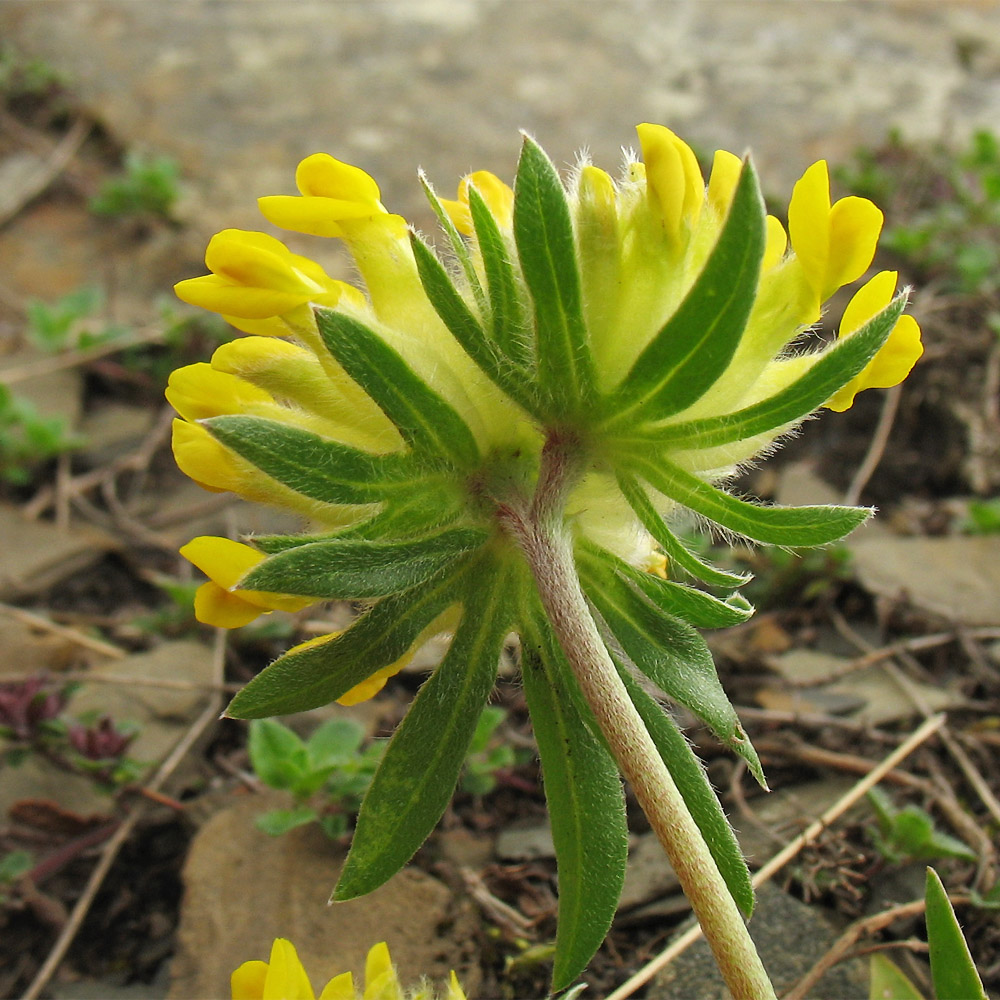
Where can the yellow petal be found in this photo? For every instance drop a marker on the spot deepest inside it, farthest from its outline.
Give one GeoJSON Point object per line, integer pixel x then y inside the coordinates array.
{"type": "Point", "coordinates": [673, 177]}
{"type": "Point", "coordinates": [380, 977]}
{"type": "Point", "coordinates": [809, 224]}
{"type": "Point", "coordinates": [855, 225]}
{"type": "Point", "coordinates": [311, 215]}
{"type": "Point", "coordinates": [498, 196]}
{"type": "Point", "coordinates": [247, 982]}
{"type": "Point", "coordinates": [775, 243]}
{"type": "Point", "coordinates": [270, 326]}
{"type": "Point", "coordinates": [207, 462]}
{"type": "Point", "coordinates": [199, 391]}
{"type": "Point", "coordinates": [221, 559]}
{"type": "Point", "coordinates": [339, 988]}
{"type": "Point", "coordinates": [722, 182]}
{"type": "Point", "coordinates": [255, 260]}
{"type": "Point", "coordinates": [326, 177]}
{"type": "Point", "coordinates": [215, 606]}
{"type": "Point", "coordinates": [286, 979]}
{"type": "Point", "coordinates": [898, 354]}
{"type": "Point", "coordinates": [871, 298]}
{"type": "Point", "coordinates": [222, 295]}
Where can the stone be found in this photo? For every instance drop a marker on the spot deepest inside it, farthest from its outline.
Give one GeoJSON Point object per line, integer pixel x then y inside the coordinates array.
{"type": "Point", "coordinates": [244, 888]}
{"type": "Point", "coordinates": [790, 937]}
{"type": "Point", "coordinates": [525, 842]}
{"type": "Point", "coordinates": [161, 715]}
{"type": "Point", "coordinates": [239, 92]}
{"type": "Point", "coordinates": [37, 555]}
{"type": "Point", "coordinates": [649, 875]}
{"type": "Point", "coordinates": [25, 650]}
{"type": "Point", "coordinates": [954, 577]}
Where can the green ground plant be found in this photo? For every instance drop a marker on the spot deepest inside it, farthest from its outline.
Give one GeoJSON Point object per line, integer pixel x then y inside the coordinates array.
{"type": "Point", "coordinates": [910, 834]}
{"type": "Point", "coordinates": [943, 208]}
{"type": "Point", "coordinates": [329, 773]}
{"type": "Point", "coordinates": [148, 187]}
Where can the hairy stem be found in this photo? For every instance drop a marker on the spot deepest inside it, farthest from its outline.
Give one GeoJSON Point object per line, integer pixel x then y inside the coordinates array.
{"type": "Point", "coordinates": [541, 532]}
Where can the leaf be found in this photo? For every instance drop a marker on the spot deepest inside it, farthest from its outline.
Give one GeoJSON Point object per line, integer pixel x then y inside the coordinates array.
{"type": "Point", "coordinates": [585, 804]}
{"type": "Point", "coordinates": [834, 369]}
{"type": "Point", "coordinates": [418, 773]}
{"type": "Point", "coordinates": [275, 822]}
{"type": "Point", "coordinates": [315, 674]}
{"type": "Point", "coordinates": [354, 569]}
{"type": "Point", "coordinates": [426, 420]}
{"type": "Point", "coordinates": [314, 466]}
{"type": "Point", "coordinates": [693, 606]}
{"type": "Point", "coordinates": [277, 755]}
{"type": "Point", "coordinates": [334, 740]}
{"type": "Point", "coordinates": [689, 775]}
{"type": "Point", "coordinates": [694, 347]}
{"type": "Point", "coordinates": [953, 971]}
{"type": "Point", "coordinates": [798, 527]}
{"type": "Point", "coordinates": [458, 245]}
{"type": "Point", "coordinates": [676, 553]}
{"type": "Point", "coordinates": [888, 981]}
{"type": "Point", "coordinates": [509, 327]}
{"type": "Point", "coordinates": [460, 320]}
{"type": "Point", "coordinates": [671, 654]}
{"type": "Point", "coordinates": [543, 232]}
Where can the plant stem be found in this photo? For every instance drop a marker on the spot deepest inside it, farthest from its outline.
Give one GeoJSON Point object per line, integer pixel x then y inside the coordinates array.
{"type": "Point", "coordinates": [543, 537]}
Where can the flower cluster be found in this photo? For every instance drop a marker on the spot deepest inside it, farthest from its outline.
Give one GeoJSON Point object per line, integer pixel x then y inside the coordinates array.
{"type": "Point", "coordinates": [598, 356]}
{"type": "Point", "coordinates": [641, 242]}
{"type": "Point", "coordinates": [284, 978]}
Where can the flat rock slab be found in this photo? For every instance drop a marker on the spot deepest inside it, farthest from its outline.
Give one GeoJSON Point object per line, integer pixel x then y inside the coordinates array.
{"type": "Point", "coordinates": [238, 92]}
{"type": "Point", "coordinates": [161, 714]}
{"type": "Point", "coordinates": [957, 578]}
{"type": "Point", "coordinates": [790, 937]}
{"type": "Point", "coordinates": [870, 695]}
{"type": "Point", "coordinates": [244, 888]}
{"type": "Point", "coordinates": [37, 555]}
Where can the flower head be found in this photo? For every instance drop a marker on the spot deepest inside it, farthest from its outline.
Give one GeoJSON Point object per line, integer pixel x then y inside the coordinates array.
{"type": "Point", "coordinates": [284, 978]}
{"type": "Point", "coordinates": [643, 330]}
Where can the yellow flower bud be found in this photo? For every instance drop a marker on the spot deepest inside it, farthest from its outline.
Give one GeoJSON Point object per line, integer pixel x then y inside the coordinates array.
{"type": "Point", "coordinates": [675, 186]}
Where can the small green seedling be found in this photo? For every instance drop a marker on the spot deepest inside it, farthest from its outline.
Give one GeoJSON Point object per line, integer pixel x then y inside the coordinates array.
{"type": "Point", "coordinates": [148, 188]}
{"type": "Point", "coordinates": [486, 754]}
{"type": "Point", "coordinates": [982, 517]}
{"type": "Point", "coordinates": [331, 760]}
{"type": "Point", "coordinates": [28, 438]}
{"type": "Point", "coordinates": [952, 968]}
{"type": "Point", "coordinates": [71, 322]}
{"type": "Point", "coordinates": [13, 865]}
{"type": "Point", "coordinates": [909, 834]}
{"type": "Point", "coordinates": [953, 971]}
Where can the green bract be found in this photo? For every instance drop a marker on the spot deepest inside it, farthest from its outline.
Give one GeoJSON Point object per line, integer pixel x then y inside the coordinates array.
{"type": "Point", "coordinates": [593, 358]}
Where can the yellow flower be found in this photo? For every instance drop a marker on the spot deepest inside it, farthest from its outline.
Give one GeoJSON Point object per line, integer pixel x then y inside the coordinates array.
{"type": "Point", "coordinates": [220, 602]}
{"type": "Point", "coordinates": [256, 277]}
{"type": "Point", "coordinates": [334, 198]}
{"type": "Point", "coordinates": [834, 243]}
{"type": "Point", "coordinates": [899, 353]}
{"type": "Point", "coordinates": [284, 978]}
{"type": "Point", "coordinates": [498, 196]}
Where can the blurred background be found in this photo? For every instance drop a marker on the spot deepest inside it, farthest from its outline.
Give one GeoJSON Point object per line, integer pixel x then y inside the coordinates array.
{"type": "Point", "coordinates": [130, 132]}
